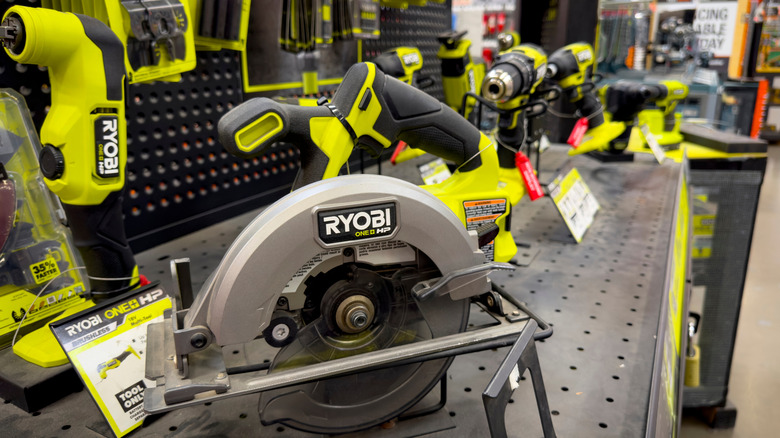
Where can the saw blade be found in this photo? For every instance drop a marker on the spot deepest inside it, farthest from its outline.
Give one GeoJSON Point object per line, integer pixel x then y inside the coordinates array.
{"type": "Point", "coordinates": [363, 400]}
{"type": "Point", "coordinates": [7, 209]}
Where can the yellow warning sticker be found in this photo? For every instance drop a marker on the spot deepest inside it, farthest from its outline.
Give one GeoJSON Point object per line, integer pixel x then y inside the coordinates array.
{"type": "Point", "coordinates": [45, 270]}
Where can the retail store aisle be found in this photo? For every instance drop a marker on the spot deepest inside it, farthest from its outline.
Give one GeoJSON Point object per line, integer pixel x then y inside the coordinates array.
{"type": "Point", "coordinates": [755, 374]}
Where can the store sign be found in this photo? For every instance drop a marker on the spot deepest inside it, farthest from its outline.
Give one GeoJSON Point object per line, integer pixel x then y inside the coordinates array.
{"type": "Point", "coordinates": [715, 23]}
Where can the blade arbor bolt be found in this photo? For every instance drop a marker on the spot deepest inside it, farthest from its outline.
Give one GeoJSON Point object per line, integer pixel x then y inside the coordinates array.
{"type": "Point", "coordinates": [355, 314]}
{"type": "Point", "coordinates": [281, 332]}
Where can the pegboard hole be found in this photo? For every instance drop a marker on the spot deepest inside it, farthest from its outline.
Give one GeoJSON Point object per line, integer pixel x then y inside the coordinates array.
{"type": "Point", "coordinates": [172, 428]}
{"type": "Point", "coordinates": [616, 377]}
{"type": "Point", "coordinates": [621, 357]}
{"type": "Point", "coordinates": [573, 368]}
{"type": "Point", "coordinates": [65, 427]}
{"type": "Point", "coordinates": [452, 414]}
{"type": "Point", "coordinates": [242, 415]}
{"type": "Point", "coordinates": [555, 412]}
{"type": "Point", "coordinates": [564, 388]}
{"type": "Point", "coordinates": [603, 425]}
{"type": "Point", "coordinates": [587, 332]}
{"type": "Point", "coordinates": [610, 400]}
{"type": "Point", "coordinates": [482, 368]}
{"type": "Point", "coordinates": [36, 413]}
{"type": "Point", "coordinates": [280, 429]}
{"type": "Point", "coordinates": [625, 339]}
{"type": "Point", "coordinates": [467, 389]}
{"type": "Point", "coordinates": [580, 349]}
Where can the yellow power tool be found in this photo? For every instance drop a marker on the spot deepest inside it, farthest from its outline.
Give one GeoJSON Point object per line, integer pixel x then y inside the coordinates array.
{"type": "Point", "coordinates": [511, 83]}
{"type": "Point", "coordinates": [571, 68]}
{"type": "Point", "coordinates": [459, 73]}
{"type": "Point", "coordinates": [84, 136]}
{"type": "Point", "coordinates": [371, 110]}
{"type": "Point", "coordinates": [404, 64]}
{"type": "Point", "coordinates": [625, 100]}
{"type": "Point", "coordinates": [663, 121]}
{"type": "Point", "coordinates": [114, 362]}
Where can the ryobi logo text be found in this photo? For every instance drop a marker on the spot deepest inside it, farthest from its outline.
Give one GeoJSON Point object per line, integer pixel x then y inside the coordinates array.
{"type": "Point", "coordinates": [410, 59]}
{"type": "Point", "coordinates": [357, 223]}
{"type": "Point", "coordinates": [107, 146]}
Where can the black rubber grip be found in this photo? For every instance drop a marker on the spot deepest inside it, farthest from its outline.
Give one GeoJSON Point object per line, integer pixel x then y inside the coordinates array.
{"type": "Point", "coordinates": [99, 235]}
{"type": "Point", "coordinates": [590, 105]}
{"type": "Point", "coordinates": [423, 122]}
{"type": "Point", "coordinates": [510, 138]}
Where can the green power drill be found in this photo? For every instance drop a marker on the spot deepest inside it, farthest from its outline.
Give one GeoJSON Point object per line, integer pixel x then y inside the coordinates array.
{"type": "Point", "coordinates": [84, 136]}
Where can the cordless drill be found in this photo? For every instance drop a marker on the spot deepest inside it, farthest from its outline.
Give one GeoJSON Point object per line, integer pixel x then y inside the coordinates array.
{"type": "Point", "coordinates": [511, 83]}
{"type": "Point", "coordinates": [84, 134]}
{"type": "Point", "coordinates": [459, 73]}
{"type": "Point", "coordinates": [625, 100]}
{"type": "Point", "coordinates": [402, 63]}
{"type": "Point", "coordinates": [571, 68]}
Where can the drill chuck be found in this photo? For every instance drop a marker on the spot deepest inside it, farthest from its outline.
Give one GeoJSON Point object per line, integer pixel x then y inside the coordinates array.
{"type": "Point", "coordinates": [12, 34]}
{"type": "Point", "coordinates": [499, 85]}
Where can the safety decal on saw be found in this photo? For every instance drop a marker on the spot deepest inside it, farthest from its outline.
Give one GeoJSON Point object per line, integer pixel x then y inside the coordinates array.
{"type": "Point", "coordinates": [357, 223]}
{"type": "Point", "coordinates": [483, 212]}
{"type": "Point", "coordinates": [107, 146]}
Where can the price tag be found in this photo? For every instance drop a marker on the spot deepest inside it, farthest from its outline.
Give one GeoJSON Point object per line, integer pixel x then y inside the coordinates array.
{"type": "Point", "coordinates": [577, 134]}
{"type": "Point", "coordinates": [435, 171]}
{"type": "Point", "coordinates": [532, 185]}
{"type": "Point", "coordinates": [658, 152]}
{"type": "Point", "coordinates": [575, 203]}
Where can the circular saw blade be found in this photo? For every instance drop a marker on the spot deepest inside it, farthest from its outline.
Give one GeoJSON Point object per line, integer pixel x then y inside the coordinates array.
{"type": "Point", "coordinates": [362, 400]}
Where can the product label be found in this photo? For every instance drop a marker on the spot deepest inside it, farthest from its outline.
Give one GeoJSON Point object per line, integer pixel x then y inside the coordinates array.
{"type": "Point", "coordinates": [655, 147]}
{"type": "Point", "coordinates": [107, 146]}
{"type": "Point", "coordinates": [107, 347]}
{"type": "Point", "coordinates": [15, 305]}
{"type": "Point", "coordinates": [483, 212]}
{"type": "Point", "coordinates": [434, 172]}
{"type": "Point", "coordinates": [575, 202]}
{"type": "Point", "coordinates": [44, 270]}
{"type": "Point", "coordinates": [357, 223]}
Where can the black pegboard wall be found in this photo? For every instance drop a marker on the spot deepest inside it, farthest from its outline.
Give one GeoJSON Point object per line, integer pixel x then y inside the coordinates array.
{"type": "Point", "coordinates": [179, 177]}
{"type": "Point", "coordinates": [416, 26]}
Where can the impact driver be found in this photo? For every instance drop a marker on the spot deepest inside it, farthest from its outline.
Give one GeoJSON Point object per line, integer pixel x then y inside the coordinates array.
{"type": "Point", "coordinates": [571, 68]}
{"type": "Point", "coordinates": [84, 136]}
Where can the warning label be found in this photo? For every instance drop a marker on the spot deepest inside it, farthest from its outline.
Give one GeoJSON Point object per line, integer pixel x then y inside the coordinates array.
{"type": "Point", "coordinates": [482, 212]}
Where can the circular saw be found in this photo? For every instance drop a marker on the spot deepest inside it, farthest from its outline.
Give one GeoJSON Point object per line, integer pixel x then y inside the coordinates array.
{"type": "Point", "coordinates": [340, 268]}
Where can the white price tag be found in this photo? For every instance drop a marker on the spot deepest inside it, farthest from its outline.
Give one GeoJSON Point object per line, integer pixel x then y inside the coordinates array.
{"type": "Point", "coordinates": [658, 152]}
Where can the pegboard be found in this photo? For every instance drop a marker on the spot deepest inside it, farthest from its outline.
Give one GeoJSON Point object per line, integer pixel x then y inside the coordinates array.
{"type": "Point", "coordinates": [179, 178]}
{"type": "Point", "coordinates": [418, 27]}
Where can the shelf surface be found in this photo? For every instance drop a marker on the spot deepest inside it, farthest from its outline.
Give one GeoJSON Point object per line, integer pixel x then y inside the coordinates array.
{"type": "Point", "coordinates": [602, 295]}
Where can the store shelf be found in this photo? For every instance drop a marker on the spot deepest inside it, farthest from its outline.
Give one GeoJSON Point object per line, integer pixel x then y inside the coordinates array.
{"type": "Point", "coordinates": [604, 297]}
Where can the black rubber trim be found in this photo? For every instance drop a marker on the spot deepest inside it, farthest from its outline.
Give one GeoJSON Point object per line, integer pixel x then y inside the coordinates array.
{"type": "Point", "coordinates": [113, 54]}
{"type": "Point", "coordinates": [454, 67]}
{"type": "Point", "coordinates": [343, 120]}
{"type": "Point", "coordinates": [365, 100]}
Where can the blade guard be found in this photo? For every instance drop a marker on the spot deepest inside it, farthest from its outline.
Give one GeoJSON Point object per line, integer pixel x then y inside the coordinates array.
{"type": "Point", "coordinates": [238, 299]}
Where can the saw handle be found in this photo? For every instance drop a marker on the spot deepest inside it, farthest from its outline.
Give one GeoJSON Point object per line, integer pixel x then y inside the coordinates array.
{"type": "Point", "coordinates": [369, 109]}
